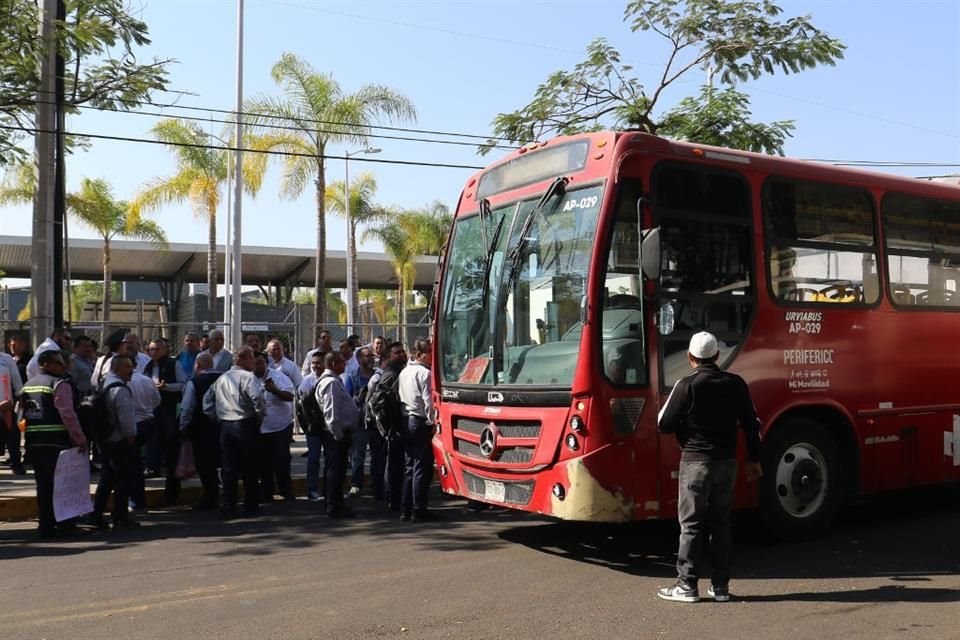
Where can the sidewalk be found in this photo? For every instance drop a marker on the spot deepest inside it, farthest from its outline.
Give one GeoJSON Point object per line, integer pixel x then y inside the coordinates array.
{"type": "Point", "coordinates": [18, 493]}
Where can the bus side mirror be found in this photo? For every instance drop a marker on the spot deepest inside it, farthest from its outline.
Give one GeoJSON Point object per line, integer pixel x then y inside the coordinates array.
{"type": "Point", "coordinates": [650, 253]}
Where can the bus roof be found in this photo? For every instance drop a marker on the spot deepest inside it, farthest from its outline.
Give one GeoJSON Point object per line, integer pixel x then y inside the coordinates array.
{"type": "Point", "coordinates": [735, 158]}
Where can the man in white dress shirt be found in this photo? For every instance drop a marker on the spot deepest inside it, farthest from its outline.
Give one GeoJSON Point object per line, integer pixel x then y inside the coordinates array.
{"type": "Point", "coordinates": [278, 362]}
{"type": "Point", "coordinates": [275, 430]}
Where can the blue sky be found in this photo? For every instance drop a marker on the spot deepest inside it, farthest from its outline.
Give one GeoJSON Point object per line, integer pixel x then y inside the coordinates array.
{"type": "Point", "coordinates": [894, 97]}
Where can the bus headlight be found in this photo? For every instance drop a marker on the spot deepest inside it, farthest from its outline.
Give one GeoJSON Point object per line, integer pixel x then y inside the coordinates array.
{"type": "Point", "coordinates": [577, 425]}
{"type": "Point", "coordinates": [572, 443]}
{"type": "Point", "coordinates": [559, 491]}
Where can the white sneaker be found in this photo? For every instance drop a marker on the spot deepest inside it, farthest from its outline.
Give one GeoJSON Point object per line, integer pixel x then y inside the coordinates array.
{"type": "Point", "coordinates": [680, 592]}
{"type": "Point", "coordinates": [354, 491]}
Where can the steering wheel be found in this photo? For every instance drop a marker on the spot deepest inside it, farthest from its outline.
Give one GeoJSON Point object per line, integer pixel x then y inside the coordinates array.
{"type": "Point", "coordinates": [624, 301]}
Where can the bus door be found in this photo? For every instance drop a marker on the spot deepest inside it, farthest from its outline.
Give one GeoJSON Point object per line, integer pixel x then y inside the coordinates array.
{"type": "Point", "coordinates": [706, 280]}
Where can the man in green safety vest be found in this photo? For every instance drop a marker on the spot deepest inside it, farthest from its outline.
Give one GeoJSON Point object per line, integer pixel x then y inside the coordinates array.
{"type": "Point", "coordinates": [49, 412]}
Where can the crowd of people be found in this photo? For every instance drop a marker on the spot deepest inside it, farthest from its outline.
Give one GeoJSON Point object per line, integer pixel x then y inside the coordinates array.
{"type": "Point", "coordinates": [145, 413]}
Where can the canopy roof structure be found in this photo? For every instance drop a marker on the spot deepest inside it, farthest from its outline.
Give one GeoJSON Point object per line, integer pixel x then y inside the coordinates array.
{"type": "Point", "coordinates": [265, 266]}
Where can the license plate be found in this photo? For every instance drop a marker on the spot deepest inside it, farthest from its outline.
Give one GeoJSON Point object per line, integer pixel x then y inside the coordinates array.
{"type": "Point", "coordinates": [495, 491]}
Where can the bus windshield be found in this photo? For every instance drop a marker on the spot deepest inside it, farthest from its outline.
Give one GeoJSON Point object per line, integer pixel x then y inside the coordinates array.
{"type": "Point", "coordinates": [519, 325]}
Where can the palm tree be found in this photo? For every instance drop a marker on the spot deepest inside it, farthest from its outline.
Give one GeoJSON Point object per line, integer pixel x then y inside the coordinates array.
{"type": "Point", "coordinates": [406, 236]}
{"type": "Point", "coordinates": [400, 249]}
{"type": "Point", "coordinates": [319, 114]}
{"type": "Point", "coordinates": [18, 185]}
{"type": "Point", "coordinates": [362, 211]}
{"type": "Point", "coordinates": [430, 227]}
{"type": "Point", "coordinates": [201, 173]}
{"type": "Point", "coordinates": [95, 207]}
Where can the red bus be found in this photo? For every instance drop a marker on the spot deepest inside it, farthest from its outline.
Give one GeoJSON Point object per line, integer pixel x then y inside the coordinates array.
{"type": "Point", "coordinates": [577, 270]}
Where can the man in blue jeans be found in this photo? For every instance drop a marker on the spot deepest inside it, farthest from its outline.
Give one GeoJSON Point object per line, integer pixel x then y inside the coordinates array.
{"type": "Point", "coordinates": [704, 411]}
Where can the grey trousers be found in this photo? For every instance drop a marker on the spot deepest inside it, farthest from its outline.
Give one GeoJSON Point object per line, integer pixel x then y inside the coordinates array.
{"type": "Point", "coordinates": [705, 502]}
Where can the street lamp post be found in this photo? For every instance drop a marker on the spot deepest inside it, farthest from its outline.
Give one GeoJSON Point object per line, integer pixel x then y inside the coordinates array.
{"type": "Point", "coordinates": [346, 204]}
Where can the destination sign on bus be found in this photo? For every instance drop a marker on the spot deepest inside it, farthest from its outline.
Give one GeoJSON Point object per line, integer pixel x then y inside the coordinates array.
{"type": "Point", "coordinates": [549, 162]}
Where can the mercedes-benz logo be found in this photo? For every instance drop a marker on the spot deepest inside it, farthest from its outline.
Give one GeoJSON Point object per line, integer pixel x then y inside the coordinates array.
{"type": "Point", "coordinates": [488, 441]}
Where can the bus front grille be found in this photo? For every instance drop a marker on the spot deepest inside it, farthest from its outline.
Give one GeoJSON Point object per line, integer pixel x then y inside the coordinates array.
{"type": "Point", "coordinates": [509, 455]}
{"type": "Point", "coordinates": [506, 429]}
{"type": "Point", "coordinates": [515, 492]}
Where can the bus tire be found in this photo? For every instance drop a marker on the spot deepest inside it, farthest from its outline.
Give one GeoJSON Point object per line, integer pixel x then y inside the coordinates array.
{"type": "Point", "coordinates": [802, 487]}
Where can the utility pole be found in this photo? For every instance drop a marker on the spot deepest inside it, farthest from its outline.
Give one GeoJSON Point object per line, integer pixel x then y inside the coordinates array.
{"type": "Point", "coordinates": [42, 285]}
{"type": "Point", "coordinates": [60, 181]}
{"type": "Point", "coordinates": [236, 326]}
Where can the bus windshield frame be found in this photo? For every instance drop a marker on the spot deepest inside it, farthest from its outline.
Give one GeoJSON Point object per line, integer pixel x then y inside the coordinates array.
{"type": "Point", "coordinates": [525, 331]}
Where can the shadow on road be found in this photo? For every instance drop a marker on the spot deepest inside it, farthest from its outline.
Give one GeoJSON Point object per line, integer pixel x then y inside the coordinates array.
{"type": "Point", "coordinates": [906, 538]}
{"type": "Point", "coordinates": [283, 528]}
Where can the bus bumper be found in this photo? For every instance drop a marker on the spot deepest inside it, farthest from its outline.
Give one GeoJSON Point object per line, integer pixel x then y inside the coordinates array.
{"type": "Point", "coordinates": [596, 487]}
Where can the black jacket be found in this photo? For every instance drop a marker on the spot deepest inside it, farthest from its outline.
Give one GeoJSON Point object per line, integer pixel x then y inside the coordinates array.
{"type": "Point", "coordinates": [704, 410]}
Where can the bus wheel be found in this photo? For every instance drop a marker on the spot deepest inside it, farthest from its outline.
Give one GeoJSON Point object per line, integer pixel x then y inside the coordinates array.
{"type": "Point", "coordinates": [801, 486]}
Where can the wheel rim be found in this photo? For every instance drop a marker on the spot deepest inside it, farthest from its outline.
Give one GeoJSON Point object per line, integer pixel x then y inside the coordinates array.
{"type": "Point", "coordinates": [802, 480]}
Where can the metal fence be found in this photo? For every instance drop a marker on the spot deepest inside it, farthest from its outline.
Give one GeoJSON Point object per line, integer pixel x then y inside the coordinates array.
{"type": "Point", "coordinates": [296, 336]}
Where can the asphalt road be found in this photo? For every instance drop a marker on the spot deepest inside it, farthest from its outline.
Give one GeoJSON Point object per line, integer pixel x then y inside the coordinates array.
{"type": "Point", "coordinates": [887, 570]}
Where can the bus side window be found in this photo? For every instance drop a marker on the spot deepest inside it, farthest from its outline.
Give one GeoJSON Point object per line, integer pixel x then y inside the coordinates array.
{"type": "Point", "coordinates": [923, 250]}
{"type": "Point", "coordinates": [821, 240]}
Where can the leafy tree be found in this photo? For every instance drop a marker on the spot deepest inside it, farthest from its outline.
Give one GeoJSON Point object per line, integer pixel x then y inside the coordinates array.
{"type": "Point", "coordinates": [99, 41]}
{"type": "Point", "coordinates": [321, 114]}
{"type": "Point", "coordinates": [95, 207]}
{"type": "Point", "coordinates": [729, 40]}
{"type": "Point", "coordinates": [334, 304]}
{"type": "Point", "coordinates": [201, 174]}
{"type": "Point", "coordinates": [362, 211]}
{"type": "Point", "coordinates": [84, 292]}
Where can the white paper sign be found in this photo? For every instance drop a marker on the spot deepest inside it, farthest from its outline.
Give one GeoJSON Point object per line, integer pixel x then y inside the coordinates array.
{"type": "Point", "coordinates": [71, 485]}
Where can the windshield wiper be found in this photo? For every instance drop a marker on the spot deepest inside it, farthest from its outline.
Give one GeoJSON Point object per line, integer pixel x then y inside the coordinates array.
{"type": "Point", "coordinates": [515, 254]}
{"type": "Point", "coordinates": [488, 259]}
{"type": "Point", "coordinates": [484, 216]}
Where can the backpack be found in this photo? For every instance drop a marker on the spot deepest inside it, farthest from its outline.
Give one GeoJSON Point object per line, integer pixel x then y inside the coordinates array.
{"type": "Point", "coordinates": [94, 415]}
{"type": "Point", "coordinates": [383, 406]}
{"type": "Point", "coordinates": [309, 412]}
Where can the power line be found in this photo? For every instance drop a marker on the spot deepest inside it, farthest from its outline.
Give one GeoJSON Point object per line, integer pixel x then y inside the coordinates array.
{"type": "Point", "coordinates": [451, 134]}
{"type": "Point", "coordinates": [547, 47]}
{"type": "Point", "coordinates": [841, 163]}
{"type": "Point", "coordinates": [193, 145]}
{"type": "Point", "coordinates": [277, 127]}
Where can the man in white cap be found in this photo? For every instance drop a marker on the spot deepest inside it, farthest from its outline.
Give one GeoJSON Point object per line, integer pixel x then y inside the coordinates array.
{"type": "Point", "coordinates": [704, 411]}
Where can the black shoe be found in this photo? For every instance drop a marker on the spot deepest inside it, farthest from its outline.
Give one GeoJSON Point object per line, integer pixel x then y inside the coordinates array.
{"type": "Point", "coordinates": [45, 533]}
{"type": "Point", "coordinates": [126, 523]}
{"type": "Point", "coordinates": [405, 517]}
{"type": "Point", "coordinates": [251, 512]}
{"type": "Point", "coordinates": [289, 497]}
{"type": "Point", "coordinates": [204, 506]}
{"type": "Point", "coordinates": [97, 521]}
{"type": "Point", "coordinates": [228, 513]}
{"type": "Point", "coordinates": [18, 469]}
{"type": "Point", "coordinates": [719, 594]}
{"type": "Point", "coordinates": [340, 512]}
